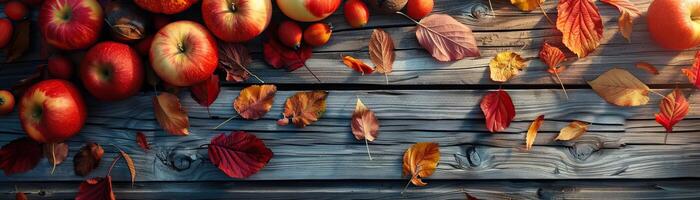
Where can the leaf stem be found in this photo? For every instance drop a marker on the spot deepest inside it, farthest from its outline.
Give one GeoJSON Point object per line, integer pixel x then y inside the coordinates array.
{"type": "Point", "coordinates": [409, 182]}
{"type": "Point", "coordinates": [562, 84]}
{"type": "Point", "coordinates": [227, 120]}
{"type": "Point", "coordinates": [545, 14]}
{"type": "Point", "coordinates": [491, 7]}
{"type": "Point", "coordinates": [251, 73]}
{"type": "Point", "coordinates": [114, 162]}
{"type": "Point", "coordinates": [367, 145]}
{"type": "Point", "coordinates": [312, 73]}
{"type": "Point", "coordinates": [53, 157]}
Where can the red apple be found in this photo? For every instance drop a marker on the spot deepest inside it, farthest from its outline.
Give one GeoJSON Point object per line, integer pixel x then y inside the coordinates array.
{"type": "Point", "coordinates": [317, 34]}
{"type": "Point", "coordinates": [183, 53]}
{"type": "Point", "coordinates": [165, 6]}
{"type": "Point", "coordinates": [674, 24]}
{"type": "Point", "coordinates": [289, 33]}
{"type": "Point", "coordinates": [7, 102]}
{"type": "Point", "coordinates": [52, 111]}
{"type": "Point", "coordinates": [236, 20]}
{"type": "Point", "coordinates": [60, 67]}
{"type": "Point", "coordinates": [112, 71]}
{"type": "Point", "coordinates": [356, 13]}
{"type": "Point", "coordinates": [6, 30]}
{"type": "Point", "coordinates": [16, 10]}
{"type": "Point", "coordinates": [417, 9]}
{"type": "Point", "coordinates": [308, 10]}
{"type": "Point", "coordinates": [71, 24]}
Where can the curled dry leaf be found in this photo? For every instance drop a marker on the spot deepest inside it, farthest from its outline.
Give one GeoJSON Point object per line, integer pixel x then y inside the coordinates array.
{"type": "Point", "coordinates": [693, 71]}
{"type": "Point", "coordinates": [357, 65]}
{"type": "Point", "coordinates": [628, 13]}
{"type": "Point", "coordinates": [552, 57]}
{"type": "Point", "coordinates": [20, 155]}
{"type": "Point", "coordinates": [420, 161]}
{"type": "Point", "coordinates": [647, 67]}
{"type": "Point", "coordinates": [142, 141]}
{"type": "Point", "coordinates": [56, 153]}
{"type": "Point", "coordinates": [527, 5]}
{"type": "Point", "coordinates": [281, 56]}
{"type": "Point", "coordinates": [381, 51]}
{"type": "Point", "coordinates": [532, 131]}
{"type": "Point", "coordinates": [255, 101]}
{"type": "Point", "coordinates": [239, 154]}
{"type": "Point", "coordinates": [87, 159]}
{"type": "Point", "coordinates": [445, 38]}
{"type": "Point", "coordinates": [96, 189]}
{"type": "Point", "coordinates": [364, 124]}
{"type": "Point", "coordinates": [130, 165]}
{"type": "Point", "coordinates": [581, 25]}
{"type": "Point", "coordinates": [498, 110]}
{"type": "Point", "coordinates": [20, 41]}
{"type": "Point", "coordinates": [234, 59]}
{"type": "Point", "coordinates": [573, 131]}
{"type": "Point", "coordinates": [206, 92]}
{"type": "Point", "coordinates": [170, 114]}
{"type": "Point", "coordinates": [672, 109]}
{"type": "Point", "coordinates": [304, 108]}
{"type": "Point", "coordinates": [505, 65]}
{"type": "Point", "coordinates": [621, 88]}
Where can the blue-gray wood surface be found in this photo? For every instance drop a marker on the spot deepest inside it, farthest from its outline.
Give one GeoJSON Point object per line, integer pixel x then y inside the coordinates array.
{"type": "Point", "coordinates": [622, 156]}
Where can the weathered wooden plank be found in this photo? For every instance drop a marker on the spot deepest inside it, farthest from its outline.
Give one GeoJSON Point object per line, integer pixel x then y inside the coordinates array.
{"type": "Point", "coordinates": [359, 189]}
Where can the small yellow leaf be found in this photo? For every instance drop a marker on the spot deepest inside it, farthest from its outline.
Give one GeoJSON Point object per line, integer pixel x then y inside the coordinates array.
{"type": "Point", "coordinates": [620, 87]}
{"type": "Point", "coordinates": [130, 165]}
{"type": "Point", "coordinates": [527, 5]}
{"type": "Point", "coordinates": [505, 65]}
{"type": "Point", "coordinates": [574, 130]}
{"type": "Point", "coordinates": [532, 132]}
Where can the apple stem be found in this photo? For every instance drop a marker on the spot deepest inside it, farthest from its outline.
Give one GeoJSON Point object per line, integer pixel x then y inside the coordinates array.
{"type": "Point", "coordinates": [312, 73]}
{"type": "Point", "coordinates": [180, 47]}
{"type": "Point", "coordinates": [233, 6]}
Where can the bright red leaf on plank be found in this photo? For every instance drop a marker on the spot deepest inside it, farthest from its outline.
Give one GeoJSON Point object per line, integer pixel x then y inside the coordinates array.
{"type": "Point", "coordinates": [205, 93]}
{"type": "Point", "coordinates": [498, 109]}
{"type": "Point", "coordinates": [446, 38]}
{"type": "Point", "coordinates": [20, 155]}
{"type": "Point", "coordinates": [552, 57]}
{"type": "Point", "coordinates": [142, 141]}
{"type": "Point", "coordinates": [239, 154]}
{"type": "Point", "coordinates": [96, 189]}
{"type": "Point", "coordinates": [628, 13]}
{"type": "Point", "coordinates": [694, 71]}
{"type": "Point", "coordinates": [581, 25]}
{"type": "Point", "coordinates": [357, 65]}
{"type": "Point", "coordinates": [280, 56]}
{"type": "Point", "coordinates": [672, 109]}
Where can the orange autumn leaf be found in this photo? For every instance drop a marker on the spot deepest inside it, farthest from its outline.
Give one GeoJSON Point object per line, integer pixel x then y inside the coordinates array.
{"type": "Point", "coordinates": [552, 57]}
{"type": "Point", "coordinates": [693, 71]}
{"type": "Point", "coordinates": [170, 114]}
{"type": "Point", "coordinates": [304, 108]}
{"type": "Point", "coordinates": [672, 109]}
{"type": "Point", "coordinates": [621, 88]}
{"type": "Point", "coordinates": [647, 67]}
{"type": "Point", "coordinates": [255, 101]}
{"type": "Point", "coordinates": [505, 65]}
{"type": "Point", "coordinates": [581, 25]}
{"type": "Point", "coordinates": [532, 131]}
{"type": "Point", "coordinates": [572, 131]}
{"type": "Point", "coordinates": [381, 51]}
{"type": "Point", "coordinates": [357, 65]}
{"type": "Point", "coordinates": [130, 165]}
{"type": "Point", "coordinates": [420, 161]}
{"type": "Point", "coordinates": [527, 5]}
{"type": "Point", "coordinates": [628, 13]}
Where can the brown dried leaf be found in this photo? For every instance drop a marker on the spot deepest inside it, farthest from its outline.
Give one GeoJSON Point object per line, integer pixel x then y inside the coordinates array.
{"type": "Point", "coordinates": [130, 165]}
{"type": "Point", "coordinates": [573, 131]}
{"type": "Point", "coordinates": [170, 114]}
{"type": "Point", "coordinates": [20, 41]}
{"type": "Point", "coordinates": [532, 132]}
{"type": "Point", "coordinates": [234, 59]}
{"type": "Point", "coordinates": [304, 108]}
{"type": "Point", "coordinates": [381, 51]}
{"type": "Point", "coordinates": [87, 159]}
{"type": "Point", "coordinates": [255, 101]}
{"type": "Point", "coordinates": [446, 38]}
{"type": "Point", "coordinates": [57, 155]}
{"type": "Point", "coordinates": [364, 123]}
{"type": "Point", "coordinates": [420, 161]}
{"type": "Point", "coordinates": [505, 65]}
{"type": "Point", "coordinates": [620, 87]}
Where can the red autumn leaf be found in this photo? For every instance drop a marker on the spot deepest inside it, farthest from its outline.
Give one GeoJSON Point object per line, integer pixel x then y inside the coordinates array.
{"type": "Point", "coordinates": [142, 141]}
{"type": "Point", "coordinates": [647, 67]}
{"type": "Point", "coordinates": [96, 189]}
{"type": "Point", "coordinates": [280, 56]}
{"type": "Point", "coordinates": [580, 22]}
{"type": "Point", "coordinates": [672, 109]}
{"type": "Point", "coordinates": [205, 93]}
{"type": "Point", "coordinates": [87, 159]}
{"type": "Point", "coordinates": [20, 196]}
{"type": "Point", "coordinates": [20, 155]}
{"type": "Point", "coordinates": [498, 109]}
{"type": "Point", "coordinates": [239, 154]}
{"type": "Point", "coordinates": [694, 71]}
{"type": "Point", "coordinates": [628, 13]}
{"type": "Point", "coordinates": [552, 57]}
{"type": "Point", "coordinates": [357, 65]}
{"type": "Point", "coordinates": [234, 59]}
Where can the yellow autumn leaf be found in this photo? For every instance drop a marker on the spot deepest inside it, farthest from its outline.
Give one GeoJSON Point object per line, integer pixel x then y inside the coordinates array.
{"type": "Point", "coordinates": [505, 65]}
{"type": "Point", "coordinates": [532, 132]}
{"type": "Point", "coordinates": [574, 130]}
{"type": "Point", "coordinates": [527, 5]}
{"type": "Point", "coordinates": [620, 87]}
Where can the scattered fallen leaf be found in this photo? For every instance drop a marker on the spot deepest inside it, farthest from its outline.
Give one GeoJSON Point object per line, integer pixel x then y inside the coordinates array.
{"type": "Point", "coordinates": [170, 114]}
{"type": "Point", "coordinates": [574, 130]}
{"type": "Point", "coordinates": [87, 159]}
{"type": "Point", "coordinates": [381, 51]}
{"type": "Point", "coordinates": [357, 65]}
{"type": "Point", "coordinates": [96, 189]}
{"type": "Point", "coordinates": [647, 67]}
{"type": "Point", "coordinates": [280, 56]}
{"type": "Point", "coordinates": [672, 109]}
{"type": "Point", "coordinates": [581, 25]}
{"type": "Point", "coordinates": [527, 5]}
{"type": "Point", "coordinates": [694, 71]}
{"type": "Point", "coordinates": [130, 165]}
{"type": "Point", "coordinates": [621, 88]}
{"type": "Point", "coordinates": [234, 59]}
{"type": "Point", "coordinates": [205, 93]}
{"type": "Point", "coordinates": [255, 101]}
{"type": "Point", "coordinates": [142, 141]}
{"type": "Point", "coordinates": [20, 196]}
{"type": "Point", "coordinates": [628, 13]}
{"type": "Point", "coordinates": [470, 197]}
{"type": "Point", "coordinates": [532, 132]}
{"type": "Point", "coordinates": [445, 38]}
{"type": "Point", "coordinates": [56, 153]}
{"type": "Point", "coordinates": [20, 41]}
{"type": "Point", "coordinates": [20, 155]}
{"type": "Point", "coordinates": [304, 108]}
{"type": "Point", "coordinates": [239, 154]}
{"type": "Point", "coordinates": [420, 161]}
{"type": "Point", "coordinates": [552, 57]}
{"type": "Point", "coordinates": [498, 109]}
{"type": "Point", "coordinates": [505, 65]}
{"type": "Point", "coordinates": [364, 124]}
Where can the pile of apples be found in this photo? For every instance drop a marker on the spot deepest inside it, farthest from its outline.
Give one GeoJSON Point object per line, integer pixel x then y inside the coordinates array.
{"type": "Point", "coordinates": [181, 53]}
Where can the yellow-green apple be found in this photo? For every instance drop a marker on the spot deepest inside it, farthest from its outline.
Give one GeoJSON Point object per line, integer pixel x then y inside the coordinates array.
{"type": "Point", "coordinates": [183, 53]}
{"type": "Point", "coordinates": [5, 32]}
{"type": "Point", "coordinates": [52, 111]}
{"type": "Point", "coordinates": [60, 67]}
{"type": "Point", "coordinates": [317, 34]}
{"type": "Point", "coordinates": [289, 33]}
{"type": "Point", "coordinates": [165, 6]}
{"type": "Point", "coordinates": [236, 20]}
{"type": "Point", "coordinates": [71, 24]}
{"type": "Point", "coordinates": [112, 71]}
{"type": "Point", "coordinates": [674, 24]}
{"type": "Point", "coordinates": [308, 10]}
{"type": "Point", "coordinates": [7, 102]}
{"type": "Point", "coordinates": [356, 13]}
